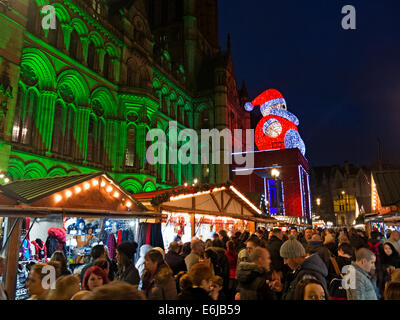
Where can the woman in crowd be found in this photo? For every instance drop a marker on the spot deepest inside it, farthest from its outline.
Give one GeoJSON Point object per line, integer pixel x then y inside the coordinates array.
{"type": "Point", "coordinates": [34, 282]}
{"type": "Point", "coordinates": [66, 287]}
{"type": "Point", "coordinates": [60, 257]}
{"type": "Point", "coordinates": [232, 261]}
{"type": "Point", "coordinates": [392, 291]}
{"type": "Point", "coordinates": [391, 257]}
{"type": "Point", "coordinates": [142, 253]}
{"type": "Point", "coordinates": [310, 289]}
{"type": "Point", "coordinates": [158, 282]}
{"type": "Point", "coordinates": [94, 277]}
{"type": "Point", "coordinates": [200, 279]}
{"type": "Point", "coordinates": [126, 269]}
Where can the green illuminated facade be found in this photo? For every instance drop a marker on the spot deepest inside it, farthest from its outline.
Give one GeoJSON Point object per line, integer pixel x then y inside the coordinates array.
{"type": "Point", "coordinates": [83, 96]}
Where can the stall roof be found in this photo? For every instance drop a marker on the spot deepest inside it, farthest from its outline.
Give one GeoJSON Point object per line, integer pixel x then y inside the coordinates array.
{"type": "Point", "coordinates": [36, 192]}
{"type": "Point", "coordinates": [388, 186]}
{"type": "Point", "coordinates": [224, 200]}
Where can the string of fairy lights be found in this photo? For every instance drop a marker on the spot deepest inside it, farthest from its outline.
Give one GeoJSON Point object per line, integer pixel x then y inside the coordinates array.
{"type": "Point", "coordinates": [108, 186]}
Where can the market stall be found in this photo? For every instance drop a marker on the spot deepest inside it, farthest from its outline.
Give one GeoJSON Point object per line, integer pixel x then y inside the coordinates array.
{"type": "Point", "coordinates": [201, 210]}
{"type": "Point", "coordinates": [69, 213]}
{"type": "Point", "coordinates": [385, 201]}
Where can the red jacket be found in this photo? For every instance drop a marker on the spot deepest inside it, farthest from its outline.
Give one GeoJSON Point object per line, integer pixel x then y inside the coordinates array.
{"type": "Point", "coordinates": [232, 261]}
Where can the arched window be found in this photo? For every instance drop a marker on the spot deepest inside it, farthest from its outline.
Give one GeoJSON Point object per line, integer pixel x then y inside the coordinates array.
{"type": "Point", "coordinates": [204, 121]}
{"type": "Point", "coordinates": [74, 45]}
{"type": "Point", "coordinates": [29, 115]}
{"type": "Point", "coordinates": [17, 117]}
{"type": "Point", "coordinates": [99, 147]}
{"type": "Point", "coordinates": [130, 77]}
{"type": "Point", "coordinates": [69, 123]}
{"type": "Point", "coordinates": [131, 147]}
{"type": "Point", "coordinates": [91, 142]}
{"type": "Point", "coordinates": [57, 141]}
{"type": "Point", "coordinates": [91, 55]}
{"type": "Point", "coordinates": [107, 69]}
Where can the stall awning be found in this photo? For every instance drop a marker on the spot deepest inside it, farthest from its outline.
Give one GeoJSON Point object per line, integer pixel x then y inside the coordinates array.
{"type": "Point", "coordinates": [90, 195]}
{"type": "Point", "coordinates": [388, 187]}
{"type": "Point", "coordinates": [224, 200]}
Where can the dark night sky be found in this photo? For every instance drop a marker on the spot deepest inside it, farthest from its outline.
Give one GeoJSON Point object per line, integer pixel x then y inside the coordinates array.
{"type": "Point", "coordinates": [343, 85]}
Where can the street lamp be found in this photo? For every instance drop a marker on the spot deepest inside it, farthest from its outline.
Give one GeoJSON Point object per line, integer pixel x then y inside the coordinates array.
{"type": "Point", "coordinates": [275, 173]}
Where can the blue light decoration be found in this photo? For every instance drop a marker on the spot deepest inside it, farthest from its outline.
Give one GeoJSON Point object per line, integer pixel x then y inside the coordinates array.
{"type": "Point", "coordinates": [266, 111]}
{"type": "Point", "coordinates": [273, 198]}
{"type": "Point", "coordinates": [248, 106]}
{"type": "Point", "coordinates": [293, 140]}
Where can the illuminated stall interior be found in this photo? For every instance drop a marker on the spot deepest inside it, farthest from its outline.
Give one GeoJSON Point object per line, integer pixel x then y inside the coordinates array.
{"type": "Point", "coordinates": [202, 210]}
{"type": "Point", "coordinates": [83, 210]}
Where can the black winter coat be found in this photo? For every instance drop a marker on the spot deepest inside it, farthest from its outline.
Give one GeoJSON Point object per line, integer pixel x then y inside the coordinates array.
{"type": "Point", "coordinates": [274, 246]}
{"type": "Point", "coordinates": [175, 261]}
{"type": "Point", "coordinates": [312, 267]}
{"type": "Point", "coordinates": [252, 283]}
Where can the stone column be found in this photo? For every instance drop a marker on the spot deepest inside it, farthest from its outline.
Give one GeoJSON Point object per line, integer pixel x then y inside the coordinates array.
{"type": "Point", "coordinates": [222, 170]}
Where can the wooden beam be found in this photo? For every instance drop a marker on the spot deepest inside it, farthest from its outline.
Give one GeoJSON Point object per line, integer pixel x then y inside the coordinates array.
{"type": "Point", "coordinates": [12, 256]}
{"type": "Point", "coordinates": [228, 203]}
{"type": "Point", "coordinates": [216, 202]}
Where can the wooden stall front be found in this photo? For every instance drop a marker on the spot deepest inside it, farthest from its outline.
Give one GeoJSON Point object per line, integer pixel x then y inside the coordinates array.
{"type": "Point", "coordinates": [92, 195]}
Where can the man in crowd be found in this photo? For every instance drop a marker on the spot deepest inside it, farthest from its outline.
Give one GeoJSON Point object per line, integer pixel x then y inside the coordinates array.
{"type": "Point", "coordinates": [274, 245]}
{"type": "Point", "coordinates": [294, 255]}
{"type": "Point", "coordinates": [294, 232]}
{"type": "Point", "coordinates": [244, 254]}
{"type": "Point", "coordinates": [197, 252]}
{"type": "Point", "coordinates": [254, 277]}
{"type": "Point", "coordinates": [359, 285]}
{"type": "Point", "coordinates": [97, 252]}
{"type": "Point", "coordinates": [307, 236]}
{"type": "Point", "coordinates": [174, 259]}
{"type": "Point", "coordinates": [394, 240]}
{"type": "Point", "coordinates": [345, 253]}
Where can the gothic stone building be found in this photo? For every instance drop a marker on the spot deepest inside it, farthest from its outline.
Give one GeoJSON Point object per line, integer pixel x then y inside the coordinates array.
{"type": "Point", "coordinates": [82, 97]}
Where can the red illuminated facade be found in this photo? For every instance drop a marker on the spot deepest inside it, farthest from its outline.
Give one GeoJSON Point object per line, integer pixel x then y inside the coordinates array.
{"type": "Point", "coordinates": [284, 191]}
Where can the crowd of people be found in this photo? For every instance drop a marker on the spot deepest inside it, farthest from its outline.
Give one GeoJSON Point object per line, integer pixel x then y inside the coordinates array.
{"type": "Point", "coordinates": [315, 264]}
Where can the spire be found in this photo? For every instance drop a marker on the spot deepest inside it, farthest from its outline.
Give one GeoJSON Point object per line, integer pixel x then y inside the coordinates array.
{"type": "Point", "coordinates": [229, 43]}
{"type": "Point", "coordinates": [243, 91]}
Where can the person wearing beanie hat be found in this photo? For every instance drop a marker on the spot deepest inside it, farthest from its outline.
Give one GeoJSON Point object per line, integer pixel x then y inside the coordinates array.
{"type": "Point", "coordinates": [126, 270]}
{"type": "Point", "coordinates": [303, 266]}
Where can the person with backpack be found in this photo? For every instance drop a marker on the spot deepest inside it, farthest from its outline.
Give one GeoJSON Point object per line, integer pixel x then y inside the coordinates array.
{"type": "Point", "coordinates": [344, 258]}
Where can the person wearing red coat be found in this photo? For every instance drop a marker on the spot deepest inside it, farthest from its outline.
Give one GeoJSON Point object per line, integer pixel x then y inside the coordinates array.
{"type": "Point", "coordinates": [232, 256]}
